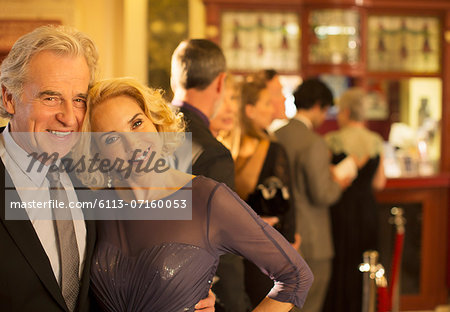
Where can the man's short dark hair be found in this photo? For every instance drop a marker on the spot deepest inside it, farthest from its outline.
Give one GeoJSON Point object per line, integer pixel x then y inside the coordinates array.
{"type": "Point", "coordinates": [313, 91]}
{"type": "Point", "coordinates": [265, 75]}
{"type": "Point", "coordinates": [196, 63]}
{"type": "Point", "coordinates": [269, 74]}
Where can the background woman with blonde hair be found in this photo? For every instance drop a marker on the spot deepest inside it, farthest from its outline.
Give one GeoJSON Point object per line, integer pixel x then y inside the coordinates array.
{"type": "Point", "coordinates": [225, 123]}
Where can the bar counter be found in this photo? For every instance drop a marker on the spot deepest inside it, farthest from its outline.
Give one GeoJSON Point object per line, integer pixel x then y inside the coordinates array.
{"type": "Point", "coordinates": [418, 182]}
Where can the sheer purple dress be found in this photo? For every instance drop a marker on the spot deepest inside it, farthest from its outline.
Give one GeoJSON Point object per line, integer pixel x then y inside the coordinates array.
{"type": "Point", "coordinates": [169, 265]}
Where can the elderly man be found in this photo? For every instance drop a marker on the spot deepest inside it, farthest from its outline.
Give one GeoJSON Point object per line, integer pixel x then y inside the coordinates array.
{"type": "Point", "coordinates": [44, 263]}
{"type": "Point", "coordinates": [45, 80]}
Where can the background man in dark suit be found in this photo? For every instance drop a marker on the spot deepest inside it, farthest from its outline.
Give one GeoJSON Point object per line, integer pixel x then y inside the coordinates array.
{"type": "Point", "coordinates": [198, 83]}
{"type": "Point", "coordinates": [44, 80]}
{"type": "Point", "coordinates": [314, 187]}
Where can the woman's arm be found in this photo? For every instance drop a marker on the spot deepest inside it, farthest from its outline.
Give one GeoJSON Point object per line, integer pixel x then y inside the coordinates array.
{"type": "Point", "coordinates": [268, 305]}
{"type": "Point", "coordinates": [234, 227]}
{"type": "Point", "coordinates": [207, 304]}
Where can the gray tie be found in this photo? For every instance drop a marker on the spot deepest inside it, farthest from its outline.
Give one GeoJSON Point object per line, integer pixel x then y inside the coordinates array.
{"type": "Point", "coordinates": [68, 248]}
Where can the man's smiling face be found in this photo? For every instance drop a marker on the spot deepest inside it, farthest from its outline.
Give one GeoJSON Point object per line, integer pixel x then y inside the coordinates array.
{"type": "Point", "coordinates": [52, 105]}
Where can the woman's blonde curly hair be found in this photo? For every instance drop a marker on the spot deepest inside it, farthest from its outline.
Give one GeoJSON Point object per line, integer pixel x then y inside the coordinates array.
{"type": "Point", "coordinates": [169, 122]}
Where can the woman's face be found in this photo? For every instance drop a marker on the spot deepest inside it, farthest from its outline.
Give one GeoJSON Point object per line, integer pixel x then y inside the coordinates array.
{"type": "Point", "coordinates": [226, 116]}
{"type": "Point", "coordinates": [277, 98]}
{"type": "Point", "coordinates": [125, 131]}
{"type": "Point", "coordinates": [262, 112]}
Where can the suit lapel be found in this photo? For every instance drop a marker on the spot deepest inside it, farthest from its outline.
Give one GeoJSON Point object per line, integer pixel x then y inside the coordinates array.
{"type": "Point", "coordinates": [23, 234]}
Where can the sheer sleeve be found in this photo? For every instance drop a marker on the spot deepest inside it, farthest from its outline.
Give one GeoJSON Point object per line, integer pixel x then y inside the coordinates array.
{"type": "Point", "coordinates": [279, 163]}
{"type": "Point", "coordinates": [279, 167]}
{"type": "Point", "coordinates": [233, 227]}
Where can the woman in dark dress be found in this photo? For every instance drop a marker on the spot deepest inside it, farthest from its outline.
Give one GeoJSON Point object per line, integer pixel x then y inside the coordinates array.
{"type": "Point", "coordinates": [262, 175]}
{"type": "Point", "coordinates": [168, 265]}
{"type": "Point", "coordinates": [354, 217]}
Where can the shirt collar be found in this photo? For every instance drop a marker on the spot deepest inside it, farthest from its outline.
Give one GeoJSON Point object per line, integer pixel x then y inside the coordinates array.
{"type": "Point", "coordinates": [23, 160]}
{"type": "Point", "coordinates": [304, 120]}
{"type": "Point", "coordinates": [193, 109]}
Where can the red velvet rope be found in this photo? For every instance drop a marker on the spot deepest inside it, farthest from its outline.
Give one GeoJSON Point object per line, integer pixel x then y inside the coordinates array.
{"type": "Point", "coordinates": [382, 300]}
{"type": "Point", "coordinates": [398, 251]}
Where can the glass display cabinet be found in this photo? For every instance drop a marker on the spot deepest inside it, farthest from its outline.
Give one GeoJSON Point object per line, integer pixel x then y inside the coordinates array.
{"type": "Point", "coordinates": [251, 38]}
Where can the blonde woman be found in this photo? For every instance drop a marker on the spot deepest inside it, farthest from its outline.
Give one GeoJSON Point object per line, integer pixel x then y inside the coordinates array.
{"type": "Point", "coordinates": [168, 265]}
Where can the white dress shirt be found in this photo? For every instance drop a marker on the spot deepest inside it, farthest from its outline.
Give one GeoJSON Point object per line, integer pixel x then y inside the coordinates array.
{"type": "Point", "coordinates": [16, 162]}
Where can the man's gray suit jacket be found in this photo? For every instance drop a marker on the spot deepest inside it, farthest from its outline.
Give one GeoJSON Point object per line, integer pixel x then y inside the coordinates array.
{"type": "Point", "coordinates": [314, 189]}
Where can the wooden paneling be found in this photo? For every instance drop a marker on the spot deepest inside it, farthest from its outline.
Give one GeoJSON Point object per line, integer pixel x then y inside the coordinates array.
{"type": "Point", "coordinates": [445, 154]}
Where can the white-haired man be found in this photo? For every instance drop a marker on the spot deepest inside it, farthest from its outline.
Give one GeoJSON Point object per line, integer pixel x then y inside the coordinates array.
{"type": "Point", "coordinates": [44, 263]}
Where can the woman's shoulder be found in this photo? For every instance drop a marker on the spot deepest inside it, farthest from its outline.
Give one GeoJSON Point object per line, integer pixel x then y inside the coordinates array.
{"type": "Point", "coordinates": [352, 133]}
{"type": "Point", "coordinates": [375, 136]}
{"type": "Point", "coordinates": [213, 195]}
{"type": "Point", "coordinates": [376, 141]}
{"type": "Point", "coordinates": [208, 188]}
{"type": "Point", "coordinates": [205, 185]}
{"type": "Point", "coordinates": [362, 132]}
